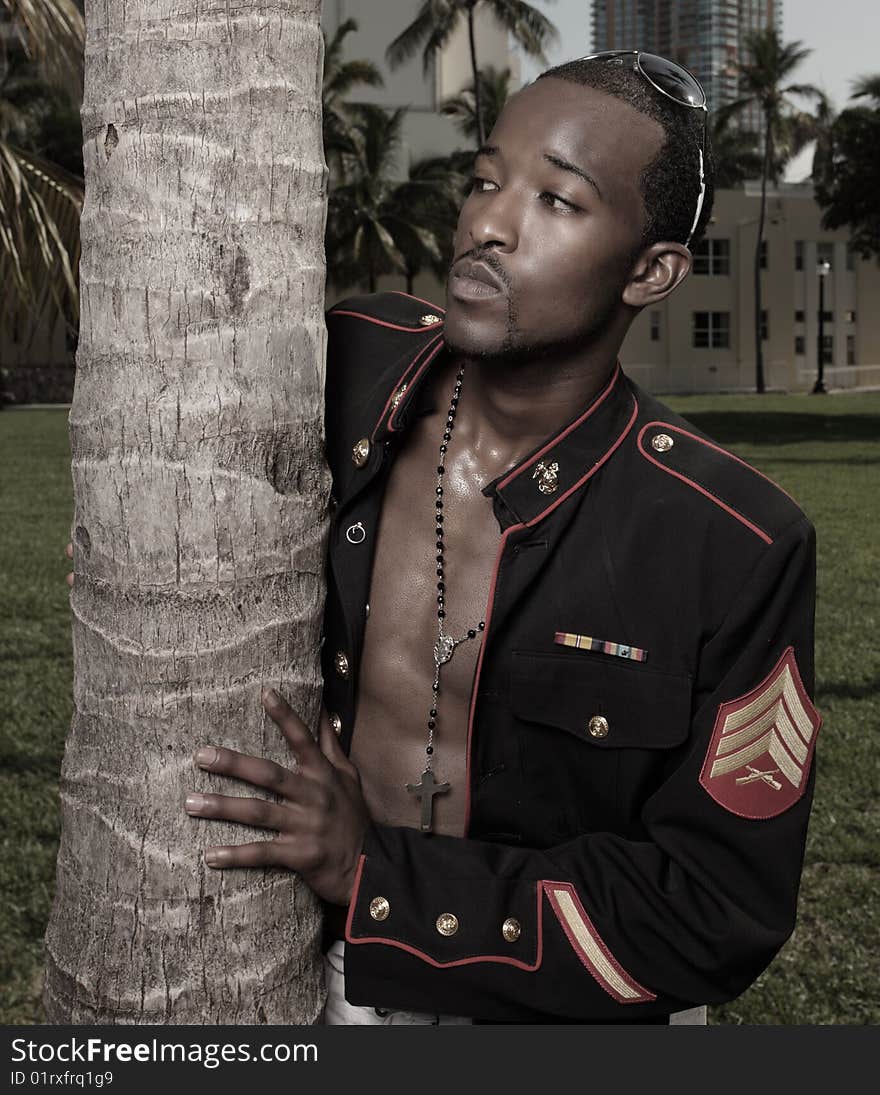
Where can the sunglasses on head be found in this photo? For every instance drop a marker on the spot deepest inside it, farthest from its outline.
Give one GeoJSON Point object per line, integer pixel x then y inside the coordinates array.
{"type": "Point", "coordinates": [676, 83]}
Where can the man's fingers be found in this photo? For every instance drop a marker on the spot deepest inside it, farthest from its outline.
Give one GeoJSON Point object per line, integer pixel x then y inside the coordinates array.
{"type": "Point", "coordinates": [68, 551]}
{"type": "Point", "coordinates": [248, 811]}
{"type": "Point", "coordinates": [264, 853]}
{"type": "Point", "coordinates": [69, 579]}
{"type": "Point", "coordinates": [298, 736]}
{"type": "Point", "coordinates": [331, 748]}
{"type": "Point", "coordinates": [256, 770]}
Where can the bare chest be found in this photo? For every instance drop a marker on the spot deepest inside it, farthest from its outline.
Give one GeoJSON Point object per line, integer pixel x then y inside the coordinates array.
{"type": "Point", "coordinates": [398, 669]}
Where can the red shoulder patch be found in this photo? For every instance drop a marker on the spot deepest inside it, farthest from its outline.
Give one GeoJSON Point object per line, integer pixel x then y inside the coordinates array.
{"type": "Point", "coordinates": [762, 745]}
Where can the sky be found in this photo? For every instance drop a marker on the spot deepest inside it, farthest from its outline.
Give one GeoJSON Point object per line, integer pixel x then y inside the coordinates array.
{"type": "Point", "coordinates": [843, 34]}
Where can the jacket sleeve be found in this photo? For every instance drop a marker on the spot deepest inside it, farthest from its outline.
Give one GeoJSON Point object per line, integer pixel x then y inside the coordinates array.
{"type": "Point", "coordinates": [607, 929]}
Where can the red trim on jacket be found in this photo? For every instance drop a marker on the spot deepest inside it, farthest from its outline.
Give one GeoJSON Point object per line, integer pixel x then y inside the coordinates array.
{"type": "Point", "coordinates": [437, 344]}
{"type": "Point", "coordinates": [759, 532]}
{"type": "Point", "coordinates": [593, 407]}
{"type": "Point", "coordinates": [384, 322]}
{"type": "Point", "coordinates": [598, 959]}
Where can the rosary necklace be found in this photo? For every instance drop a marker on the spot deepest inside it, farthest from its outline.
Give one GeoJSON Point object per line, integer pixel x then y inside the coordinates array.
{"type": "Point", "coordinates": [446, 645]}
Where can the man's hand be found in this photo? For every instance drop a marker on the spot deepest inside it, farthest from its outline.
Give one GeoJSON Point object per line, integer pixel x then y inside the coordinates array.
{"type": "Point", "coordinates": [68, 551]}
{"type": "Point", "coordinates": [320, 821]}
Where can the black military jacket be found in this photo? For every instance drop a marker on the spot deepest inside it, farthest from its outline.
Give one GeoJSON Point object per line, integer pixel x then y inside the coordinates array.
{"type": "Point", "coordinates": [641, 730]}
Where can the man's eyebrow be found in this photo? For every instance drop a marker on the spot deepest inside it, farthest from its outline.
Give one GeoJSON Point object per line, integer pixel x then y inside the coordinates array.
{"type": "Point", "coordinates": [486, 150]}
{"type": "Point", "coordinates": [566, 165]}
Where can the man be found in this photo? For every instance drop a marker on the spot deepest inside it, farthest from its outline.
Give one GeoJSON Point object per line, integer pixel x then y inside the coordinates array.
{"type": "Point", "coordinates": [564, 768]}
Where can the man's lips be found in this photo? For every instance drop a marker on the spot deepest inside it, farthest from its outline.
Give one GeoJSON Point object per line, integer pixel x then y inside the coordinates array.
{"type": "Point", "coordinates": [479, 271]}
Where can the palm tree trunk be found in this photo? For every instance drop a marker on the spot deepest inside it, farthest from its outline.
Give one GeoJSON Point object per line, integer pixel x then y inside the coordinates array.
{"type": "Point", "coordinates": [759, 349]}
{"type": "Point", "coordinates": [478, 105]}
{"type": "Point", "coordinates": [199, 507]}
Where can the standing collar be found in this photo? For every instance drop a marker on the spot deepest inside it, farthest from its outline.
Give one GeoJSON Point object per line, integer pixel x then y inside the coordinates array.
{"type": "Point", "coordinates": [543, 479]}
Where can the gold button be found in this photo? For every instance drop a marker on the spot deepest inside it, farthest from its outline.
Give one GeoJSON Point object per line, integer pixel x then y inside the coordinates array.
{"type": "Point", "coordinates": [511, 929]}
{"type": "Point", "coordinates": [662, 442]}
{"type": "Point", "coordinates": [336, 723]}
{"type": "Point", "coordinates": [361, 452]}
{"type": "Point", "coordinates": [428, 318]}
{"type": "Point", "coordinates": [380, 908]}
{"type": "Point", "coordinates": [399, 394]}
{"type": "Point", "coordinates": [340, 663]}
{"type": "Point", "coordinates": [598, 726]}
{"type": "Point", "coordinates": [447, 923]}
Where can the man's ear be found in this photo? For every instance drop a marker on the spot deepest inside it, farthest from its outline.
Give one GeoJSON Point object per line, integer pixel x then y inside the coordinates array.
{"type": "Point", "coordinates": [658, 270]}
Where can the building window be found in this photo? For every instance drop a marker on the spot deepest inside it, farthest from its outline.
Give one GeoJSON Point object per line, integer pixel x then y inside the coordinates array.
{"type": "Point", "coordinates": [765, 325]}
{"type": "Point", "coordinates": [712, 257]}
{"type": "Point", "coordinates": [825, 253]}
{"type": "Point", "coordinates": [827, 317]}
{"type": "Point", "coordinates": [799, 345]}
{"type": "Point", "coordinates": [828, 349]}
{"type": "Point", "coordinates": [850, 259]}
{"type": "Point", "coordinates": [655, 326]}
{"type": "Point", "coordinates": [763, 254]}
{"type": "Point", "coordinates": [799, 316]}
{"type": "Point", "coordinates": [798, 254]}
{"type": "Point", "coordinates": [711, 330]}
{"type": "Point", "coordinates": [850, 349]}
{"type": "Point", "coordinates": [850, 317]}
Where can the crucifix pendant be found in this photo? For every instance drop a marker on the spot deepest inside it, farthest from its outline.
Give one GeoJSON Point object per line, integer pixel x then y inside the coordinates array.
{"type": "Point", "coordinates": [424, 791]}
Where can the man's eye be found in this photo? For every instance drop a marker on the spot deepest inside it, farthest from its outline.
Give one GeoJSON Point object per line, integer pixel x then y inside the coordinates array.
{"type": "Point", "coordinates": [479, 185]}
{"type": "Point", "coordinates": [555, 202]}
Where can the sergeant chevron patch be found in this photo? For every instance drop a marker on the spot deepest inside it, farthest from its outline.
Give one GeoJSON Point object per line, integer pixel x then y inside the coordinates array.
{"type": "Point", "coordinates": [762, 744]}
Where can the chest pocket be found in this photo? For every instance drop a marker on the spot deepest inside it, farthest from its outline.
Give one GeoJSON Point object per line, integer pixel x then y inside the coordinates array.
{"type": "Point", "coordinates": [605, 705]}
{"type": "Point", "coordinates": [596, 736]}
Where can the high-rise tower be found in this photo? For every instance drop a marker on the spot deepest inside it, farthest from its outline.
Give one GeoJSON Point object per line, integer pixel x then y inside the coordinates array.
{"type": "Point", "coordinates": [707, 36]}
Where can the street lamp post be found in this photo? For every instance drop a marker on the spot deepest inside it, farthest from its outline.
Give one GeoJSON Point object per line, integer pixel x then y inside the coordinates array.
{"type": "Point", "coordinates": [822, 270]}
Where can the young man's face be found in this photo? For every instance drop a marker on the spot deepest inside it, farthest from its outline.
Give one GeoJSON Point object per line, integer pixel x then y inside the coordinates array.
{"type": "Point", "coordinates": [560, 240]}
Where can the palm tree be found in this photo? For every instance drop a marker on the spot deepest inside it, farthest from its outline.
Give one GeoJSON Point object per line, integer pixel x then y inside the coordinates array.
{"type": "Point", "coordinates": [341, 77]}
{"type": "Point", "coordinates": [199, 510]}
{"type": "Point", "coordinates": [734, 149]}
{"type": "Point", "coordinates": [430, 200]}
{"type": "Point", "coordinates": [493, 94]}
{"type": "Point", "coordinates": [867, 87]}
{"type": "Point", "coordinates": [436, 21]}
{"type": "Point", "coordinates": [377, 224]}
{"type": "Point", "coordinates": [763, 78]}
{"type": "Point", "coordinates": [41, 56]}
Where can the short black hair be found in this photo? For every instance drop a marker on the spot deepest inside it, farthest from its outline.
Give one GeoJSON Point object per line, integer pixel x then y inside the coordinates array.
{"type": "Point", "coordinates": [670, 184]}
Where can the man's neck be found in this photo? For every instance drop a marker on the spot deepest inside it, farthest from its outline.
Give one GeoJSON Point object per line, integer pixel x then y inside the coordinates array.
{"type": "Point", "coordinates": [506, 412]}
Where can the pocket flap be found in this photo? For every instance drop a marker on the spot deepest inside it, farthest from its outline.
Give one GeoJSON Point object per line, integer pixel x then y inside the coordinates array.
{"type": "Point", "coordinates": [604, 702]}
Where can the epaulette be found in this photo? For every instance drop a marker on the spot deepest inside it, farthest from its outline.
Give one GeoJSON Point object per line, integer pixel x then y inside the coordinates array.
{"type": "Point", "coordinates": [394, 310]}
{"type": "Point", "coordinates": [746, 494]}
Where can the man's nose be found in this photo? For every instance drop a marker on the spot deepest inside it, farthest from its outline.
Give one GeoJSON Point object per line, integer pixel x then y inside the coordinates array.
{"type": "Point", "coordinates": [495, 223]}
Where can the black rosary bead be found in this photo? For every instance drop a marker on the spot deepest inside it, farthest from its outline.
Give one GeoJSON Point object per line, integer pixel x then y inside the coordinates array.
{"type": "Point", "coordinates": [472, 634]}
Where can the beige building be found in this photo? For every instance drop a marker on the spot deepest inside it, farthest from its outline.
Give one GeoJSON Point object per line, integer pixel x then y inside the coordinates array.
{"type": "Point", "coordinates": [702, 338]}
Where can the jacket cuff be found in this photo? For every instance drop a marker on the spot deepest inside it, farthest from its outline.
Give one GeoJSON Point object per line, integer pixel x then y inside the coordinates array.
{"type": "Point", "coordinates": [444, 921]}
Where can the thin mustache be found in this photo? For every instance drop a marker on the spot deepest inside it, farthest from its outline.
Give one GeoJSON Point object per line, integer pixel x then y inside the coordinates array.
{"type": "Point", "coordinates": [489, 259]}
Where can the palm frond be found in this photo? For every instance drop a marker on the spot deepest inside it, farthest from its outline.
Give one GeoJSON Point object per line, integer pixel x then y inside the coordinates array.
{"type": "Point", "coordinates": [434, 19]}
{"type": "Point", "coordinates": [40, 206]}
{"type": "Point", "coordinates": [52, 33]}
{"type": "Point", "coordinates": [867, 87]}
{"type": "Point", "coordinates": [530, 28]}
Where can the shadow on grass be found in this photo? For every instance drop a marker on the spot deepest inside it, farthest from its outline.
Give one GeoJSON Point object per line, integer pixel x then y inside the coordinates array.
{"type": "Point", "coordinates": [847, 690]}
{"type": "Point", "coordinates": [779, 428]}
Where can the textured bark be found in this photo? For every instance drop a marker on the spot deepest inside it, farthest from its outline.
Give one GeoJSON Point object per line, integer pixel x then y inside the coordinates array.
{"type": "Point", "coordinates": [200, 503]}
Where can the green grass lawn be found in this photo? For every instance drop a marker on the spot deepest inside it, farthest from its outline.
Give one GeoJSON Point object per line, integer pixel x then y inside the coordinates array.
{"type": "Point", "coordinates": [824, 451]}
